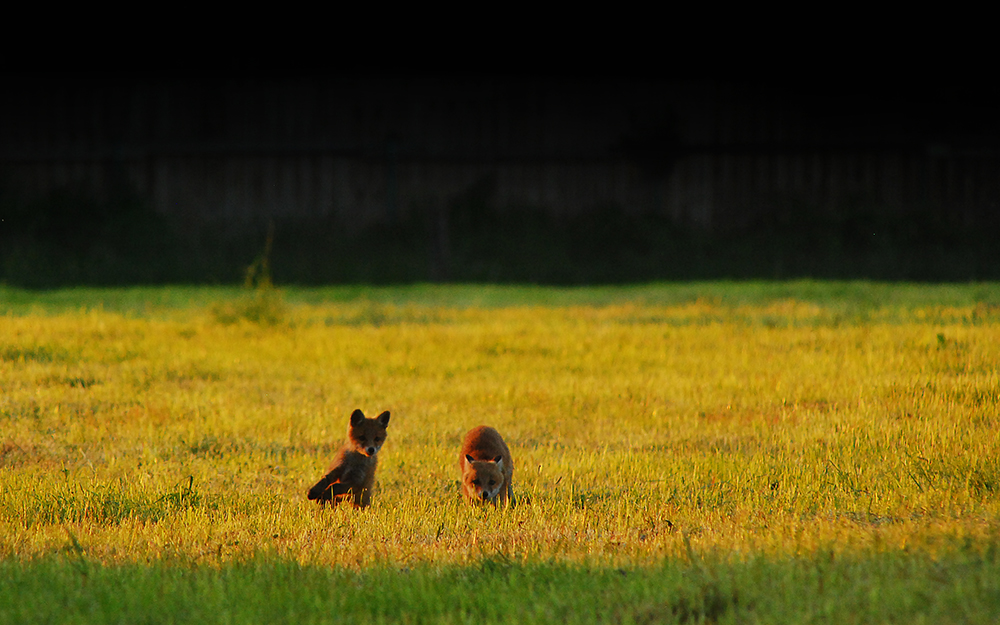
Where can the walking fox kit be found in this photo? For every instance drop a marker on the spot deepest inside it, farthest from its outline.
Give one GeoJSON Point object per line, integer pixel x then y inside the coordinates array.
{"type": "Point", "coordinates": [351, 475]}
{"type": "Point", "coordinates": [487, 468]}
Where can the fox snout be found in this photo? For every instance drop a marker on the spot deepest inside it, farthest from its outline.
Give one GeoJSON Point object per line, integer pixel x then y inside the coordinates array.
{"type": "Point", "coordinates": [367, 448]}
{"type": "Point", "coordinates": [486, 496]}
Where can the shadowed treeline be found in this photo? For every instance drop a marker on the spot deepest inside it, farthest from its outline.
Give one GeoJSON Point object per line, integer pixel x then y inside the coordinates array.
{"type": "Point", "coordinates": [107, 179]}
{"type": "Point", "coordinates": [124, 242]}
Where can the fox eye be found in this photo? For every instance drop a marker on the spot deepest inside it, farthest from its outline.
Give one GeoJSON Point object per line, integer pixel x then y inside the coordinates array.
{"type": "Point", "coordinates": [378, 439]}
{"type": "Point", "coordinates": [492, 482]}
{"type": "Point", "coordinates": [475, 482]}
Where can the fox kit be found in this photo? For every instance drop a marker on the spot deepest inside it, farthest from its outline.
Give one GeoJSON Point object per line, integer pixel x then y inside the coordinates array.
{"type": "Point", "coordinates": [487, 468]}
{"type": "Point", "coordinates": [351, 475]}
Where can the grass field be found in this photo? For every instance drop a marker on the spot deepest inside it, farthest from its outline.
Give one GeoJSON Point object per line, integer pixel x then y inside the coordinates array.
{"type": "Point", "coordinates": [703, 452]}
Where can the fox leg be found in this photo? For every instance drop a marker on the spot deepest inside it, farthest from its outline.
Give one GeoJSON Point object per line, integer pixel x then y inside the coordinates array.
{"type": "Point", "coordinates": [360, 496]}
{"type": "Point", "coordinates": [339, 489]}
{"type": "Point", "coordinates": [340, 492]}
{"type": "Point", "coordinates": [321, 490]}
{"type": "Point", "coordinates": [363, 499]}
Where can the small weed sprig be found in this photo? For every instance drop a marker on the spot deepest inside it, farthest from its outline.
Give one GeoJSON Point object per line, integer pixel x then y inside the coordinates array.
{"type": "Point", "coordinates": [263, 304]}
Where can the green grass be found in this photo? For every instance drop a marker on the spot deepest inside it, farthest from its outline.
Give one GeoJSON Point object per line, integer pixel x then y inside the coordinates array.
{"type": "Point", "coordinates": [963, 587]}
{"type": "Point", "coordinates": [718, 452]}
{"type": "Point", "coordinates": [848, 295]}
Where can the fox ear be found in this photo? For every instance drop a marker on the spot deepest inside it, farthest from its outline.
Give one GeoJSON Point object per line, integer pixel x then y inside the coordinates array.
{"type": "Point", "coordinates": [499, 461]}
{"type": "Point", "coordinates": [468, 458]}
{"type": "Point", "coordinates": [357, 417]}
{"type": "Point", "coordinates": [384, 418]}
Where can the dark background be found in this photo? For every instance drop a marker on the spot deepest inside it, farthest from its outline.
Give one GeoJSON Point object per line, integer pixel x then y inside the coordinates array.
{"type": "Point", "coordinates": [510, 176]}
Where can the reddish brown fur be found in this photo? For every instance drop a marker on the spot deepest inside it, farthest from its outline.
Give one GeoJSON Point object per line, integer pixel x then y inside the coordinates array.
{"type": "Point", "coordinates": [485, 458]}
{"type": "Point", "coordinates": [351, 475]}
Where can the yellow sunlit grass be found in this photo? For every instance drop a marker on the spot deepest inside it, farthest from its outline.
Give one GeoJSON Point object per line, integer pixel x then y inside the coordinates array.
{"type": "Point", "coordinates": [637, 430]}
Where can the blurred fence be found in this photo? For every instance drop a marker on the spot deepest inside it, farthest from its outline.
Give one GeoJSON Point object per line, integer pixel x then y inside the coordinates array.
{"type": "Point", "coordinates": [232, 153]}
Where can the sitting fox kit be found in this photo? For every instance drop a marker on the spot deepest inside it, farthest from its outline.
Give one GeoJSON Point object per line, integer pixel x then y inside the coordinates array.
{"type": "Point", "coordinates": [351, 476]}
{"type": "Point", "coordinates": [487, 468]}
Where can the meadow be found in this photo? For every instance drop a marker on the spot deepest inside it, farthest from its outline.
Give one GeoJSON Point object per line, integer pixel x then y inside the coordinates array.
{"type": "Point", "coordinates": [697, 452]}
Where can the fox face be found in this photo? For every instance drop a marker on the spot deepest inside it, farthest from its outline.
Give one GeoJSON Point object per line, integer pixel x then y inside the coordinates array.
{"type": "Point", "coordinates": [483, 480]}
{"type": "Point", "coordinates": [367, 435]}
